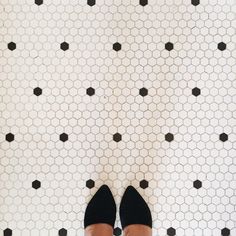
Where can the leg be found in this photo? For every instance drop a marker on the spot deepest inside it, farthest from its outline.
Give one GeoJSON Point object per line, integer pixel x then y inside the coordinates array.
{"type": "Point", "coordinates": [100, 213]}
{"type": "Point", "coordinates": [137, 230]}
{"type": "Point", "coordinates": [99, 229]}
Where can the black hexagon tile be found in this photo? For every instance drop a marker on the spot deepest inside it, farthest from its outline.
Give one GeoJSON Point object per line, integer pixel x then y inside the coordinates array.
{"type": "Point", "coordinates": [117, 137]}
{"type": "Point", "coordinates": [90, 91]}
{"type": "Point", "coordinates": [11, 46]}
{"type": "Point", "coordinates": [221, 46]}
{"type": "Point", "coordinates": [143, 184]}
{"type": "Point", "coordinates": [197, 184]}
{"type": "Point", "coordinates": [64, 46]}
{"type": "Point", "coordinates": [62, 232]}
{"type": "Point", "coordinates": [90, 183]}
{"type": "Point", "coordinates": [143, 2]}
{"type": "Point", "coordinates": [195, 2]}
{"type": "Point", "coordinates": [223, 137]}
{"type": "Point", "coordinates": [171, 231]}
{"type": "Point", "coordinates": [117, 231]}
{"type": "Point", "coordinates": [117, 46]}
{"type": "Point", "coordinates": [7, 232]}
{"type": "Point", "coordinates": [225, 232]}
{"type": "Point", "coordinates": [38, 2]}
{"type": "Point", "coordinates": [63, 137]}
{"type": "Point", "coordinates": [37, 91]}
{"type": "Point", "coordinates": [91, 2]}
{"type": "Point", "coordinates": [10, 137]}
{"type": "Point", "coordinates": [36, 184]}
{"type": "Point", "coordinates": [143, 92]}
{"type": "Point", "coordinates": [169, 137]}
{"type": "Point", "coordinates": [196, 91]}
{"type": "Point", "coordinates": [169, 46]}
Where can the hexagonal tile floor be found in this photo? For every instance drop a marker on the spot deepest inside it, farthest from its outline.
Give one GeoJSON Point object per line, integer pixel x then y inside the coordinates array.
{"type": "Point", "coordinates": [118, 92]}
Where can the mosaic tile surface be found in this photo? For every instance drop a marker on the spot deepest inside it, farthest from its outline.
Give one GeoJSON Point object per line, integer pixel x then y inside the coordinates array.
{"type": "Point", "coordinates": [120, 92]}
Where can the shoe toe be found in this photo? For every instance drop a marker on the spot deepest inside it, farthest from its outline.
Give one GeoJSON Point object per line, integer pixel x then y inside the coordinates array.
{"type": "Point", "coordinates": [101, 208]}
{"type": "Point", "coordinates": [134, 209]}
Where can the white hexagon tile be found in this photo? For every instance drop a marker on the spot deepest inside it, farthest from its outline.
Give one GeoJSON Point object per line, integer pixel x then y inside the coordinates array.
{"type": "Point", "coordinates": [139, 92]}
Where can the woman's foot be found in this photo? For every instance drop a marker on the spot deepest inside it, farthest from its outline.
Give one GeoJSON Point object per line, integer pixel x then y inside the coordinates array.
{"type": "Point", "coordinates": [135, 214]}
{"type": "Point", "coordinates": [100, 229]}
{"type": "Point", "coordinates": [101, 210]}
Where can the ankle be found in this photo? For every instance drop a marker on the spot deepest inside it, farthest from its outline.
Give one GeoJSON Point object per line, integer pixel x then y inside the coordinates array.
{"type": "Point", "coordinates": [137, 230]}
{"type": "Point", "coordinates": [99, 229]}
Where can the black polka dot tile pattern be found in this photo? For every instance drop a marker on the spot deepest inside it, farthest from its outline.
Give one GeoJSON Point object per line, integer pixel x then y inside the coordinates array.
{"type": "Point", "coordinates": [143, 2]}
{"type": "Point", "coordinates": [169, 137]}
{"type": "Point", "coordinates": [121, 93]}
{"type": "Point", "coordinates": [171, 231]}
{"type": "Point", "coordinates": [225, 232]}
{"type": "Point", "coordinates": [63, 137]}
{"type": "Point", "coordinates": [10, 137]}
{"type": "Point", "coordinates": [90, 183]}
{"type": "Point", "coordinates": [143, 184]}
{"type": "Point", "coordinates": [222, 46]}
{"type": "Point", "coordinates": [62, 232]}
{"type": "Point", "coordinates": [143, 92]}
{"type": "Point", "coordinates": [39, 2]}
{"type": "Point", "coordinates": [11, 46]}
{"type": "Point", "coordinates": [223, 137]}
{"type": "Point", "coordinates": [117, 137]}
{"type": "Point", "coordinates": [117, 46]}
{"type": "Point", "coordinates": [7, 232]}
{"type": "Point", "coordinates": [90, 91]}
{"type": "Point", "coordinates": [64, 46]}
{"type": "Point", "coordinates": [37, 91]}
{"type": "Point", "coordinates": [196, 91]}
{"type": "Point", "coordinates": [195, 2]}
{"type": "Point", "coordinates": [36, 184]}
{"type": "Point", "coordinates": [91, 2]}
{"type": "Point", "coordinates": [197, 184]}
{"type": "Point", "coordinates": [169, 46]}
{"type": "Point", "coordinates": [117, 231]}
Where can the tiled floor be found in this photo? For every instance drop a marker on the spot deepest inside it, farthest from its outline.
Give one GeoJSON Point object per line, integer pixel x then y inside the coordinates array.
{"type": "Point", "coordinates": [118, 92]}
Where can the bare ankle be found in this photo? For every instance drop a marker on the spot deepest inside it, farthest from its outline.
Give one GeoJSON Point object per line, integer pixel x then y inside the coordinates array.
{"type": "Point", "coordinates": [137, 230]}
{"type": "Point", "coordinates": [100, 229]}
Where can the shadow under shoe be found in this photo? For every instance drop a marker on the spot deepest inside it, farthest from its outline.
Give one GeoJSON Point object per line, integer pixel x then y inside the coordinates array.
{"type": "Point", "coordinates": [101, 208]}
{"type": "Point", "coordinates": [134, 209]}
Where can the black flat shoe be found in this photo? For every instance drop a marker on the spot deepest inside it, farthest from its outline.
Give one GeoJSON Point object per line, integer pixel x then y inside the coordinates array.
{"type": "Point", "coordinates": [101, 208]}
{"type": "Point", "coordinates": [134, 209]}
